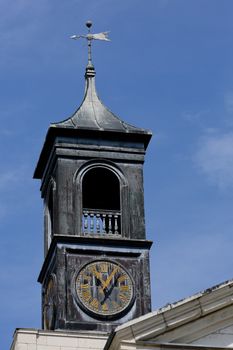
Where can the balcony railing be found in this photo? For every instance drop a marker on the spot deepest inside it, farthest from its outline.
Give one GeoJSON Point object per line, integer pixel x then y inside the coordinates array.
{"type": "Point", "coordinates": [101, 222]}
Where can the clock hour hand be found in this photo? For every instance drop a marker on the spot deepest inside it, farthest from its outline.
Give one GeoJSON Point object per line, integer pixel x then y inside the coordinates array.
{"type": "Point", "coordinates": [98, 282]}
{"type": "Point", "coordinates": [107, 292]}
{"type": "Point", "coordinates": [98, 277]}
{"type": "Point", "coordinates": [109, 279]}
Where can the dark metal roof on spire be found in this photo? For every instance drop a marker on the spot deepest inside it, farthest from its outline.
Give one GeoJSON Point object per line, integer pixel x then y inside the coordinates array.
{"type": "Point", "coordinates": [92, 123]}
{"type": "Point", "coordinates": [92, 113]}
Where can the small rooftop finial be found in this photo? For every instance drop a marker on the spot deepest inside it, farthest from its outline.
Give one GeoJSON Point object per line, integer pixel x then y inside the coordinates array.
{"type": "Point", "coordinates": [90, 71]}
{"type": "Point", "coordinates": [89, 24]}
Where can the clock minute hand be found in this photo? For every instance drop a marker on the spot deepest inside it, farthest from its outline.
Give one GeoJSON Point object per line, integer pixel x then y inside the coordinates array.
{"type": "Point", "coordinates": [107, 292]}
{"type": "Point", "coordinates": [108, 280]}
{"type": "Point", "coordinates": [99, 277]}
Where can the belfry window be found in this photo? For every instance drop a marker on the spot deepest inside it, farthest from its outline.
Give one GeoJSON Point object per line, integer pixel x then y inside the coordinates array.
{"type": "Point", "coordinates": [101, 202]}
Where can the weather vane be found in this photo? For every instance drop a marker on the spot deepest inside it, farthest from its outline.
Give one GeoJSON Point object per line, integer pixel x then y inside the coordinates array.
{"type": "Point", "coordinates": [89, 36]}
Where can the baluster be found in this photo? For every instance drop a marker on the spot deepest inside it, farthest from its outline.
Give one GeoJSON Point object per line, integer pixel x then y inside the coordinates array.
{"type": "Point", "coordinates": [98, 223]}
{"type": "Point", "coordinates": [91, 222]}
{"type": "Point", "coordinates": [104, 223]}
{"type": "Point", "coordinates": [85, 225]}
{"type": "Point", "coordinates": [116, 225]}
{"type": "Point", "coordinates": [110, 224]}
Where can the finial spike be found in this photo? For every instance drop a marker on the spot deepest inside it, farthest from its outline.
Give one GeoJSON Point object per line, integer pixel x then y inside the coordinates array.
{"type": "Point", "coordinates": [89, 24]}
{"type": "Point", "coordinates": [90, 37]}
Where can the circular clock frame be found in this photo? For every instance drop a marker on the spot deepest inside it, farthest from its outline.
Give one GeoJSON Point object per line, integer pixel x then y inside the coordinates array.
{"type": "Point", "coordinates": [104, 289]}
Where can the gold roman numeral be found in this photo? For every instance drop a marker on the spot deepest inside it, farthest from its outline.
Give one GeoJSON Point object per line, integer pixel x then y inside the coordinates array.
{"type": "Point", "coordinates": [103, 267]}
{"type": "Point", "coordinates": [105, 307]}
{"type": "Point", "coordinates": [115, 305]}
{"type": "Point", "coordinates": [124, 288]}
{"type": "Point", "coordinates": [122, 278]}
{"type": "Point", "coordinates": [85, 277]}
{"type": "Point", "coordinates": [123, 297]}
{"type": "Point", "coordinates": [94, 303]}
{"type": "Point", "coordinates": [86, 295]}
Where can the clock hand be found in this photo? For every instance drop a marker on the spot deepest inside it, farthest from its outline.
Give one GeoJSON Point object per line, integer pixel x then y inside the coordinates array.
{"type": "Point", "coordinates": [98, 277]}
{"type": "Point", "coordinates": [107, 291]}
{"type": "Point", "coordinates": [108, 280]}
{"type": "Point", "coordinates": [98, 282]}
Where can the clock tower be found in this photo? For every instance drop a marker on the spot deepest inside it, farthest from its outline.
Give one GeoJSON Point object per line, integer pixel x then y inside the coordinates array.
{"type": "Point", "coordinates": [95, 274]}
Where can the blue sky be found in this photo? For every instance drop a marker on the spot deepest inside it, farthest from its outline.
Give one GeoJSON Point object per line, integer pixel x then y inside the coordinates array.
{"type": "Point", "coordinates": [169, 68]}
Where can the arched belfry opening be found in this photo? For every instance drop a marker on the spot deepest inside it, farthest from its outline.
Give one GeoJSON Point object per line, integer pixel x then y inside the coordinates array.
{"type": "Point", "coordinates": [101, 189]}
{"type": "Point", "coordinates": [101, 202]}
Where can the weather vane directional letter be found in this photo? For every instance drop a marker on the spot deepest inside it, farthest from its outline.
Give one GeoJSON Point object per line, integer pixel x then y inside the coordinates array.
{"type": "Point", "coordinates": [90, 37]}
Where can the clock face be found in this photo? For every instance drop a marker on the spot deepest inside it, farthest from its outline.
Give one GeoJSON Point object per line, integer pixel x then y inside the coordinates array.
{"type": "Point", "coordinates": [49, 306]}
{"type": "Point", "coordinates": [104, 288]}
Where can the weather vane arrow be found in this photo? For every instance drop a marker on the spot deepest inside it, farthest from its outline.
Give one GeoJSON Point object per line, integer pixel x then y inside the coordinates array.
{"type": "Point", "coordinates": [89, 36]}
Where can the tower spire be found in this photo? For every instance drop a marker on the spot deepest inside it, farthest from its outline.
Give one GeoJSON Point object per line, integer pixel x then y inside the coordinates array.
{"type": "Point", "coordinates": [92, 114]}
{"type": "Point", "coordinates": [90, 70]}
{"type": "Point", "coordinates": [89, 64]}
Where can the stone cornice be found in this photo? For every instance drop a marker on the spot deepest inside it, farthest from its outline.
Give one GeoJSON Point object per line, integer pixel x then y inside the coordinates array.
{"type": "Point", "coordinates": [152, 345]}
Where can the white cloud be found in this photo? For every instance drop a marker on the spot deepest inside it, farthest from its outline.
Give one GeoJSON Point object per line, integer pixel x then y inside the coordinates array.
{"type": "Point", "coordinates": [6, 132]}
{"type": "Point", "coordinates": [195, 116]}
{"type": "Point", "coordinates": [7, 178]}
{"type": "Point", "coordinates": [3, 211]}
{"type": "Point", "coordinates": [13, 177]}
{"type": "Point", "coordinates": [11, 180]}
{"type": "Point", "coordinates": [228, 100]}
{"type": "Point", "coordinates": [214, 158]}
